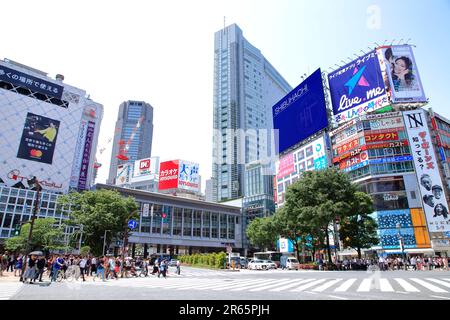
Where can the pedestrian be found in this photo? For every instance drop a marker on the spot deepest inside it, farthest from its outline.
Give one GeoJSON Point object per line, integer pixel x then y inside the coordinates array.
{"type": "Point", "coordinates": [30, 270]}
{"type": "Point", "coordinates": [19, 264]}
{"type": "Point", "coordinates": [40, 268]}
{"type": "Point", "coordinates": [11, 263]}
{"type": "Point", "coordinates": [101, 268]}
{"type": "Point", "coordinates": [414, 263]}
{"type": "Point", "coordinates": [320, 263]}
{"type": "Point", "coordinates": [82, 264]}
{"type": "Point", "coordinates": [57, 266]}
{"type": "Point", "coordinates": [162, 269]}
{"type": "Point", "coordinates": [93, 265]}
{"type": "Point", "coordinates": [178, 267]}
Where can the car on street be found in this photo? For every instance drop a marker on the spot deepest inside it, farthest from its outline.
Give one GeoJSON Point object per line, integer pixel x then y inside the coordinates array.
{"type": "Point", "coordinates": [270, 264]}
{"type": "Point", "coordinates": [258, 265]}
{"type": "Point", "coordinates": [292, 263]}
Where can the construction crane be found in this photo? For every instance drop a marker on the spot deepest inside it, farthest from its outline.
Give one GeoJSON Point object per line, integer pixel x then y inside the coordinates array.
{"type": "Point", "coordinates": [123, 147]}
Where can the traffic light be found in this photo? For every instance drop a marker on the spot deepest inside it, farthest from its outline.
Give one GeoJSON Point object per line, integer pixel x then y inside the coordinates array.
{"type": "Point", "coordinates": [17, 230]}
{"type": "Point", "coordinates": [164, 215]}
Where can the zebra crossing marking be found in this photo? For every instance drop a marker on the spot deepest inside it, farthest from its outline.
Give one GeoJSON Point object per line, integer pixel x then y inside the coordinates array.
{"type": "Point", "coordinates": [253, 286]}
{"type": "Point", "coordinates": [271, 285]}
{"type": "Point", "coordinates": [346, 285]}
{"type": "Point", "coordinates": [365, 285]}
{"type": "Point", "coordinates": [428, 285]}
{"type": "Point", "coordinates": [308, 285]}
{"type": "Point", "coordinates": [9, 289]}
{"type": "Point", "coordinates": [442, 283]}
{"type": "Point", "coordinates": [385, 286]}
{"type": "Point", "coordinates": [293, 284]}
{"type": "Point", "coordinates": [326, 285]}
{"type": "Point", "coordinates": [406, 285]}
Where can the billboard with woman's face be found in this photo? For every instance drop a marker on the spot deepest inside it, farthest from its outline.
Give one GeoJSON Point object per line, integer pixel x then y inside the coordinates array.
{"type": "Point", "coordinates": [403, 78]}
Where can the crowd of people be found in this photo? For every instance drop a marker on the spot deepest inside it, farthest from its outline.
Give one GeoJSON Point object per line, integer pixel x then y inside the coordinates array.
{"type": "Point", "coordinates": [57, 267]}
{"type": "Point", "coordinates": [391, 263]}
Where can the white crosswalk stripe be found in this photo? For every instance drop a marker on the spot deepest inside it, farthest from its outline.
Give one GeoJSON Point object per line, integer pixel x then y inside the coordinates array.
{"type": "Point", "coordinates": [308, 285]}
{"type": "Point", "coordinates": [365, 285]}
{"type": "Point", "coordinates": [427, 285]}
{"type": "Point", "coordinates": [9, 289]}
{"type": "Point", "coordinates": [281, 282]}
{"type": "Point", "coordinates": [293, 284]}
{"type": "Point", "coordinates": [252, 286]}
{"type": "Point", "coordinates": [385, 286]}
{"type": "Point", "coordinates": [406, 285]}
{"type": "Point", "coordinates": [326, 285]}
{"type": "Point", "coordinates": [442, 283]}
{"type": "Point", "coordinates": [346, 285]}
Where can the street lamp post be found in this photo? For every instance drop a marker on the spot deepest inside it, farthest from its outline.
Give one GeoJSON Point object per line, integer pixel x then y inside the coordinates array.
{"type": "Point", "coordinates": [402, 244]}
{"type": "Point", "coordinates": [32, 183]}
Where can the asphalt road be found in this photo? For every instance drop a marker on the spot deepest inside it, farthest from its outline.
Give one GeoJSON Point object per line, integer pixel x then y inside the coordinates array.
{"type": "Point", "coordinates": [201, 284]}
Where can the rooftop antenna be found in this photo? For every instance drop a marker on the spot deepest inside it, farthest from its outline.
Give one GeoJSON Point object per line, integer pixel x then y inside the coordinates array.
{"type": "Point", "coordinates": [224, 19]}
{"type": "Point", "coordinates": [392, 42]}
{"type": "Point", "coordinates": [400, 41]}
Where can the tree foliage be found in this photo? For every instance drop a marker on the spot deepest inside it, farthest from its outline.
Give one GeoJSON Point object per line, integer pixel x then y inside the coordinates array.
{"type": "Point", "coordinates": [46, 236]}
{"type": "Point", "coordinates": [262, 232]}
{"type": "Point", "coordinates": [97, 211]}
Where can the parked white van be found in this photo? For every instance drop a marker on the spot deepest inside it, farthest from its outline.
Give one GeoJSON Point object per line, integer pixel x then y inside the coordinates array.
{"type": "Point", "coordinates": [292, 263]}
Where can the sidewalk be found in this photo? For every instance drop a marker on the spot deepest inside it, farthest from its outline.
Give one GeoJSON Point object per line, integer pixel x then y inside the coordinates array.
{"type": "Point", "coordinates": [9, 277]}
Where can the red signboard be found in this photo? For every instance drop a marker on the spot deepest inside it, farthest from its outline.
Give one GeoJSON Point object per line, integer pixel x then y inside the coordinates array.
{"type": "Point", "coordinates": [286, 166]}
{"type": "Point", "coordinates": [386, 136]}
{"type": "Point", "coordinates": [347, 146]}
{"type": "Point", "coordinates": [352, 153]}
{"type": "Point", "coordinates": [355, 160]}
{"type": "Point", "coordinates": [168, 175]}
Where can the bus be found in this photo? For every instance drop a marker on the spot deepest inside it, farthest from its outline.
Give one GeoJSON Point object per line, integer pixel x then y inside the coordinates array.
{"type": "Point", "coordinates": [268, 255]}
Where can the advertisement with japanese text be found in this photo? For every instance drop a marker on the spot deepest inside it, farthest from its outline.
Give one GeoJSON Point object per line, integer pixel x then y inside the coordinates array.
{"type": "Point", "coordinates": [123, 174]}
{"type": "Point", "coordinates": [168, 175]}
{"type": "Point", "coordinates": [402, 73]}
{"type": "Point", "coordinates": [357, 88]}
{"type": "Point", "coordinates": [430, 184]}
{"type": "Point", "coordinates": [285, 166]}
{"type": "Point", "coordinates": [145, 169]}
{"type": "Point", "coordinates": [82, 182]}
{"type": "Point", "coordinates": [188, 178]}
{"type": "Point", "coordinates": [38, 138]}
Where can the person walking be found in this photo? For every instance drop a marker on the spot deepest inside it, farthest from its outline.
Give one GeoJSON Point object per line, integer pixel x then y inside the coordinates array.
{"type": "Point", "coordinates": [162, 269]}
{"type": "Point", "coordinates": [40, 268]}
{"type": "Point", "coordinates": [30, 270]}
{"type": "Point", "coordinates": [18, 266]}
{"type": "Point", "coordinates": [57, 266]}
{"type": "Point", "coordinates": [178, 267]}
{"type": "Point", "coordinates": [83, 262]}
{"type": "Point", "coordinates": [101, 268]}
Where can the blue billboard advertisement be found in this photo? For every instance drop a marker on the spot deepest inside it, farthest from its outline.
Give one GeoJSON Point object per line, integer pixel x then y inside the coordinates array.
{"type": "Point", "coordinates": [357, 88]}
{"type": "Point", "coordinates": [301, 113]}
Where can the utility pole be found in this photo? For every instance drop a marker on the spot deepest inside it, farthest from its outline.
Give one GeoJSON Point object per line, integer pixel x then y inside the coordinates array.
{"type": "Point", "coordinates": [125, 240]}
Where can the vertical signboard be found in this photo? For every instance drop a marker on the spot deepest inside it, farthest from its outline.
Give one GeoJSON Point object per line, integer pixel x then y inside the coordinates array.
{"type": "Point", "coordinates": [402, 74]}
{"type": "Point", "coordinates": [86, 156]}
{"type": "Point", "coordinates": [430, 184]}
{"type": "Point", "coordinates": [188, 177]}
{"type": "Point", "coordinates": [357, 88]}
{"type": "Point", "coordinates": [123, 174]}
{"type": "Point", "coordinates": [285, 166]}
{"type": "Point", "coordinates": [78, 157]}
{"type": "Point", "coordinates": [168, 175]}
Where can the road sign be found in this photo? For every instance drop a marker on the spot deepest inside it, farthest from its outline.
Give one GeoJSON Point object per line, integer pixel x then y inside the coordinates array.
{"type": "Point", "coordinates": [145, 210]}
{"type": "Point", "coordinates": [132, 224]}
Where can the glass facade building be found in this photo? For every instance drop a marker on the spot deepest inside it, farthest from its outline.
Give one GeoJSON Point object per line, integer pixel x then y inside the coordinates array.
{"type": "Point", "coordinates": [246, 86]}
{"type": "Point", "coordinates": [130, 113]}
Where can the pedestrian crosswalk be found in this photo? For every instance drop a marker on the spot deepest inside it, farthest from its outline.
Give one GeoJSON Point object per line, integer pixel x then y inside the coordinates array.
{"type": "Point", "coordinates": [9, 289]}
{"type": "Point", "coordinates": [294, 285]}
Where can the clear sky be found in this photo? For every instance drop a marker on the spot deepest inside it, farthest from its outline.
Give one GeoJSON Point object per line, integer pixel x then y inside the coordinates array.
{"type": "Point", "coordinates": [162, 52]}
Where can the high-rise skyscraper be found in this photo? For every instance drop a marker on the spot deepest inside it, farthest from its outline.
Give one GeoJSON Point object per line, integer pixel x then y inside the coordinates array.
{"type": "Point", "coordinates": [246, 86]}
{"type": "Point", "coordinates": [133, 135]}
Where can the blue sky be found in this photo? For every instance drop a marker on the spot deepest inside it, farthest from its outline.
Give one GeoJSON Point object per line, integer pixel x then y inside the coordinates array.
{"type": "Point", "coordinates": [162, 52]}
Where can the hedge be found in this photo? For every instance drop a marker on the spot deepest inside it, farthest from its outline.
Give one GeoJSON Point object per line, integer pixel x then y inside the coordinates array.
{"type": "Point", "coordinates": [213, 260]}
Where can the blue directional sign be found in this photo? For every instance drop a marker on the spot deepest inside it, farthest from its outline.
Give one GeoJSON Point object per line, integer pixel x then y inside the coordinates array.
{"type": "Point", "coordinates": [132, 224]}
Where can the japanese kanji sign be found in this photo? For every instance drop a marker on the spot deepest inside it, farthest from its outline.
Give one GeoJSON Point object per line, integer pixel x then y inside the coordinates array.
{"type": "Point", "coordinates": [33, 83]}
{"type": "Point", "coordinates": [430, 183]}
{"type": "Point", "coordinates": [385, 136]}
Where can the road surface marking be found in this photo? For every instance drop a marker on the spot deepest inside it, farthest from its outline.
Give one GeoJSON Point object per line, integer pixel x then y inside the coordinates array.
{"type": "Point", "coordinates": [336, 297]}
{"type": "Point", "coordinates": [442, 283]}
{"type": "Point", "coordinates": [345, 286]}
{"type": "Point", "coordinates": [272, 285]}
{"type": "Point", "coordinates": [385, 286]}
{"type": "Point", "coordinates": [238, 285]}
{"type": "Point", "coordinates": [365, 285]}
{"type": "Point", "coordinates": [222, 285]}
{"type": "Point", "coordinates": [327, 285]}
{"type": "Point", "coordinates": [308, 285]}
{"type": "Point", "coordinates": [441, 297]}
{"type": "Point", "coordinates": [428, 285]}
{"type": "Point", "coordinates": [293, 284]}
{"type": "Point", "coordinates": [406, 285]}
{"type": "Point", "coordinates": [240, 288]}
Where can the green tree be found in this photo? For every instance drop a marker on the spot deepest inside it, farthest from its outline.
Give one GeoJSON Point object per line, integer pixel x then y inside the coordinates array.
{"type": "Point", "coordinates": [46, 236]}
{"type": "Point", "coordinates": [85, 250]}
{"type": "Point", "coordinates": [262, 232]}
{"type": "Point", "coordinates": [315, 201]}
{"type": "Point", "coordinates": [359, 230]}
{"type": "Point", "coordinates": [97, 211]}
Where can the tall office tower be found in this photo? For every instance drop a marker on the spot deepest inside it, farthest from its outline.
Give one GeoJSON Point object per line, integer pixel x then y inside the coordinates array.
{"type": "Point", "coordinates": [133, 136]}
{"type": "Point", "coordinates": [246, 86]}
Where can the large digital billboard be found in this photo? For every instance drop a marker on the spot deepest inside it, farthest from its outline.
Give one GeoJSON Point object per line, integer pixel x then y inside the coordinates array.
{"type": "Point", "coordinates": [357, 88]}
{"type": "Point", "coordinates": [301, 113]}
{"type": "Point", "coordinates": [433, 198]}
{"type": "Point", "coordinates": [403, 77]}
{"type": "Point", "coordinates": [188, 177]}
{"type": "Point", "coordinates": [168, 175]}
{"type": "Point", "coordinates": [145, 169]}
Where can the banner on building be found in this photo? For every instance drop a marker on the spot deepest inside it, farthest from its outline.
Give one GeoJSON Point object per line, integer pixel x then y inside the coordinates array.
{"type": "Point", "coordinates": [286, 166]}
{"type": "Point", "coordinates": [403, 76]}
{"type": "Point", "coordinates": [82, 181]}
{"type": "Point", "coordinates": [434, 201]}
{"type": "Point", "coordinates": [189, 178]}
{"type": "Point", "coordinates": [357, 88]}
{"type": "Point", "coordinates": [123, 174]}
{"type": "Point", "coordinates": [168, 175]}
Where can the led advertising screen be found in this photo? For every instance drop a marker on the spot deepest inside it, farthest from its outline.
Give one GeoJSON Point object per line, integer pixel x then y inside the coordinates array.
{"type": "Point", "coordinates": [168, 175]}
{"type": "Point", "coordinates": [145, 169]}
{"type": "Point", "coordinates": [357, 88]}
{"type": "Point", "coordinates": [403, 76]}
{"type": "Point", "coordinates": [433, 198]}
{"type": "Point", "coordinates": [301, 113]}
{"type": "Point", "coordinates": [38, 138]}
